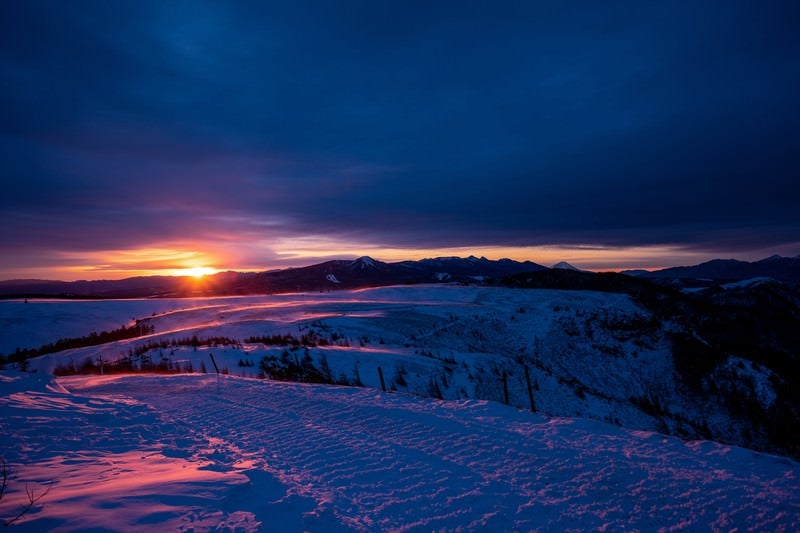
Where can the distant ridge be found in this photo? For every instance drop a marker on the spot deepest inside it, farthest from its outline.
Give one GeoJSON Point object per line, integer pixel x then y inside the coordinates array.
{"type": "Point", "coordinates": [783, 269]}
{"type": "Point", "coordinates": [330, 275]}
{"type": "Point", "coordinates": [366, 272]}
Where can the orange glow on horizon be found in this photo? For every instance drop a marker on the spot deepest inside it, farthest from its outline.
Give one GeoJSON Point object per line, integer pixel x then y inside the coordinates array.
{"type": "Point", "coordinates": [198, 260]}
{"type": "Point", "coordinates": [181, 259]}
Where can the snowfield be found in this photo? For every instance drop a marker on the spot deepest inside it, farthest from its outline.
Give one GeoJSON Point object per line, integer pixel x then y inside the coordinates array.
{"type": "Point", "coordinates": [191, 452]}
{"type": "Point", "coordinates": [207, 452]}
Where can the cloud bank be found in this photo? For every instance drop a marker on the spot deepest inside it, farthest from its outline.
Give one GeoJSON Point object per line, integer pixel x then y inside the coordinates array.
{"type": "Point", "coordinates": [240, 128]}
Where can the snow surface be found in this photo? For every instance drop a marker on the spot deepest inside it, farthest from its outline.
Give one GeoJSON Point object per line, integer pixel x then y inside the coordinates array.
{"type": "Point", "coordinates": [38, 322]}
{"type": "Point", "coordinates": [748, 282]}
{"type": "Point", "coordinates": [743, 284]}
{"type": "Point", "coordinates": [201, 453]}
{"type": "Point", "coordinates": [364, 263]}
{"type": "Point", "coordinates": [583, 350]}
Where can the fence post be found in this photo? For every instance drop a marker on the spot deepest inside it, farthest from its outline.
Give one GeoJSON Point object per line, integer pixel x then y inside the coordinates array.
{"type": "Point", "coordinates": [216, 368]}
{"type": "Point", "coordinates": [299, 368]}
{"type": "Point", "coordinates": [380, 375]}
{"type": "Point", "coordinates": [505, 386]}
{"type": "Point", "coordinates": [530, 390]}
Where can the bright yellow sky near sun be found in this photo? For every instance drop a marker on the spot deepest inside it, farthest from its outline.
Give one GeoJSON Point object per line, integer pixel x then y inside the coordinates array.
{"type": "Point", "coordinates": [118, 264]}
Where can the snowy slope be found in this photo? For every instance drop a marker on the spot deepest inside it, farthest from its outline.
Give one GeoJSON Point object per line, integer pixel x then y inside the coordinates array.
{"type": "Point", "coordinates": [588, 354]}
{"type": "Point", "coordinates": [42, 321]}
{"type": "Point", "coordinates": [200, 453]}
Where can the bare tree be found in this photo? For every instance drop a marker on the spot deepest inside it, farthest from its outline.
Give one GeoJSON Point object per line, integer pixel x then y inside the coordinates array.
{"type": "Point", "coordinates": [5, 478]}
{"type": "Point", "coordinates": [33, 498]}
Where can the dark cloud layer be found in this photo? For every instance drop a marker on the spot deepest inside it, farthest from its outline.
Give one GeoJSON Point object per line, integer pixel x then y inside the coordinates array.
{"type": "Point", "coordinates": [407, 125]}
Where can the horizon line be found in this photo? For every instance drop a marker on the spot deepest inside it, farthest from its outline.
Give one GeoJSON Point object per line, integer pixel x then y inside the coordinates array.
{"type": "Point", "coordinates": [205, 272]}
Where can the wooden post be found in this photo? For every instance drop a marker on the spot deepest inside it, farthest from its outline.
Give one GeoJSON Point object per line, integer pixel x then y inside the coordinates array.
{"type": "Point", "coordinates": [299, 368]}
{"type": "Point", "coordinates": [505, 386]}
{"type": "Point", "coordinates": [380, 375]}
{"type": "Point", "coordinates": [530, 390]}
{"type": "Point", "coordinates": [211, 355]}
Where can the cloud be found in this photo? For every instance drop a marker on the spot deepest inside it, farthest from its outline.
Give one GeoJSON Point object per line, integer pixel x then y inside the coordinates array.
{"type": "Point", "coordinates": [125, 125]}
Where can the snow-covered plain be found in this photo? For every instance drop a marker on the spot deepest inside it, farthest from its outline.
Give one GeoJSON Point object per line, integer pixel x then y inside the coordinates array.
{"type": "Point", "coordinates": [204, 452]}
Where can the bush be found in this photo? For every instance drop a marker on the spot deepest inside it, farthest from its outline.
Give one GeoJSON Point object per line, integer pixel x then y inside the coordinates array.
{"type": "Point", "coordinates": [693, 359]}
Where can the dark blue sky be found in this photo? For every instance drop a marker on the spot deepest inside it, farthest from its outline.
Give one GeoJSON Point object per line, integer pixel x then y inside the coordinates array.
{"type": "Point", "coordinates": [257, 134]}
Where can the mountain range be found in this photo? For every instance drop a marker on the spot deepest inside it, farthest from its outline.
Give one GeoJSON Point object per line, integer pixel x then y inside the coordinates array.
{"type": "Point", "coordinates": [368, 272]}
{"type": "Point", "coordinates": [330, 275]}
{"type": "Point", "coordinates": [784, 269]}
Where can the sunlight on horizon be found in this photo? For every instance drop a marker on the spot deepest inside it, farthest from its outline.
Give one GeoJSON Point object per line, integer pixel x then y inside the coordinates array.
{"type": "Point", "coordinates": [198, 260]}
{"type": "Point", "coordinates": [195, 272]}
{"type": "Point", "coordinates": [175, 259]}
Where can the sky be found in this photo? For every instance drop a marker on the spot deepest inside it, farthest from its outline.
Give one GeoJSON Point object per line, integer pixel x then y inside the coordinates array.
{"type": "Point", "coordinates": [151, 137]}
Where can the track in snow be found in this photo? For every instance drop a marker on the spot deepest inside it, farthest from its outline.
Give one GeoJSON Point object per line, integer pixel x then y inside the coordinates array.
{"type": "Point", "coordinates": [362, 460]}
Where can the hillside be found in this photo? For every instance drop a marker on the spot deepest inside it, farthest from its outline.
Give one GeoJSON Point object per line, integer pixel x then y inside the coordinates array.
{"type": "Point", "coordinates": [621, 350]}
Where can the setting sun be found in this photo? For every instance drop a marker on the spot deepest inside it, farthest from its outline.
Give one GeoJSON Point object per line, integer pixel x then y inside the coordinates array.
{"type": "Point", "coordinates": [196, 272]}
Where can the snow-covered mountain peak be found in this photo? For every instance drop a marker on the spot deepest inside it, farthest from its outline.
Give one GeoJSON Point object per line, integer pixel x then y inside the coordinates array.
{"type": "Point", "coordinates": [364, 262]}
{"type": "Point", "coordinates": [563, 265]}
